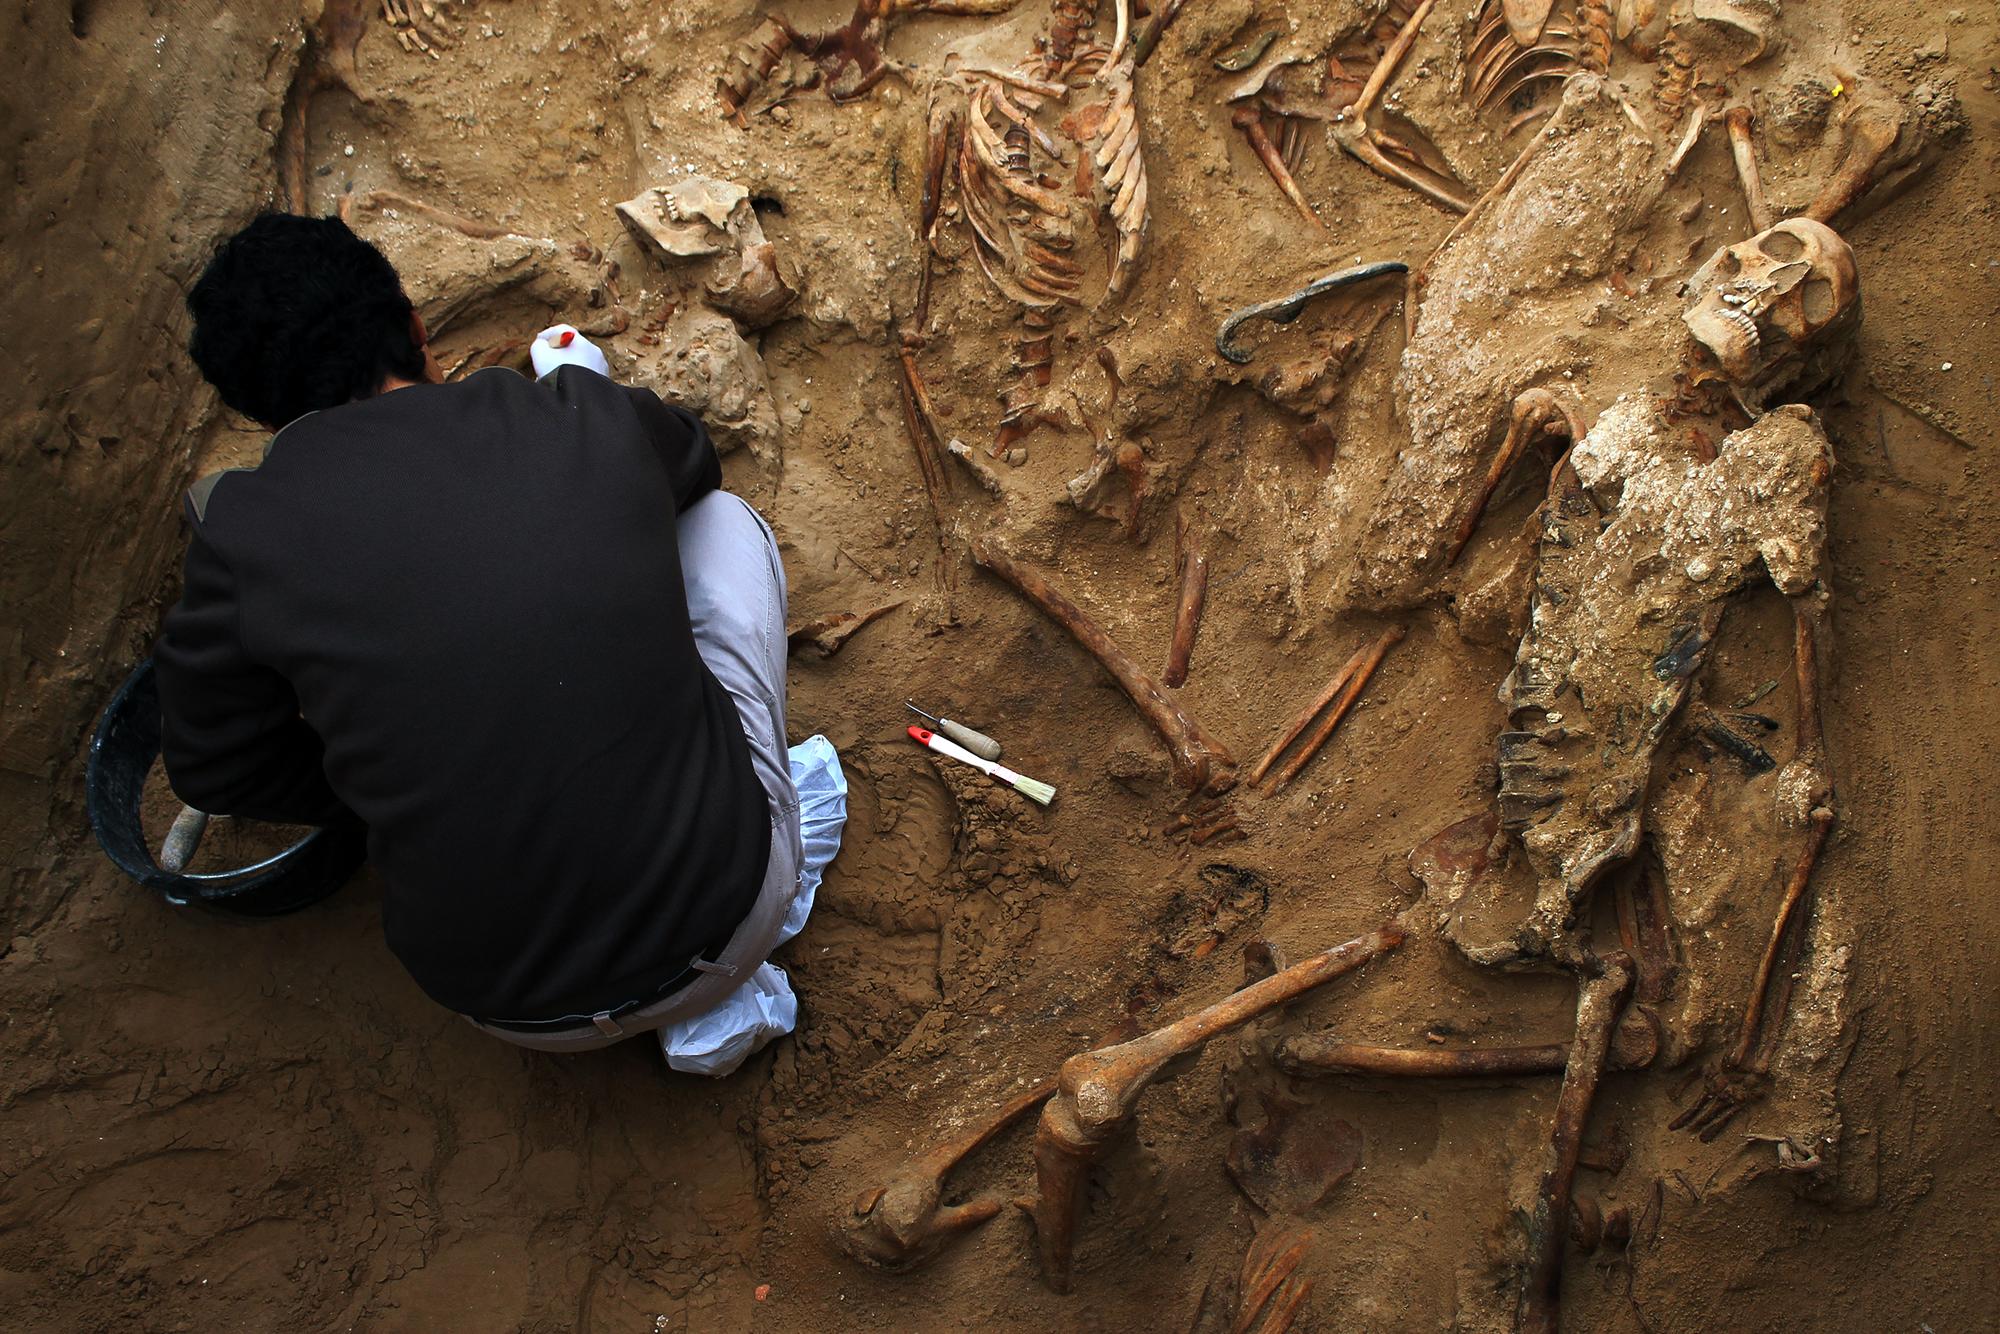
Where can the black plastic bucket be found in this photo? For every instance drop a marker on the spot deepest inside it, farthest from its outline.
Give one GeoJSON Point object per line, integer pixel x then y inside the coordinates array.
{"type": "Point", "coordinates": [122, 754]}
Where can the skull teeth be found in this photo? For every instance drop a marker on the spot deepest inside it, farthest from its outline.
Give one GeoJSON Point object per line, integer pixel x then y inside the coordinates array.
{"type": "Point", "coordinates": [1742, 321]}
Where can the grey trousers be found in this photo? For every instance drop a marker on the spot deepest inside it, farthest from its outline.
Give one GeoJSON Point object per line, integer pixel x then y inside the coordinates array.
{"type": "Point", "coordinates": [736, 598]}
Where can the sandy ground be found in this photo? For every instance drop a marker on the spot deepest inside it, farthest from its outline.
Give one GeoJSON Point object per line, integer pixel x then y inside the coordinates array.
{"type": "Point", "coordinates": [211, 1125]}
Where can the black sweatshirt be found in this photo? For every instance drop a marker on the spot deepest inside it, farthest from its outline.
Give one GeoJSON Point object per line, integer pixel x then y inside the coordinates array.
{"type": "Point", "coordinates": [456, 611]}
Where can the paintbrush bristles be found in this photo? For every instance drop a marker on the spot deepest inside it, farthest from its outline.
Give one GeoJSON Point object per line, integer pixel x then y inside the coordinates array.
{"type": "Point", "coordinates": [1035, 790]}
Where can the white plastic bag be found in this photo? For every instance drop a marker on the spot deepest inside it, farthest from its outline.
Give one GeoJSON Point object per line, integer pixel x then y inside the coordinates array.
{"type": "Point", "coordinates": [716, 1041]}
{"type": "Point", "coordinates": [764, 1008]}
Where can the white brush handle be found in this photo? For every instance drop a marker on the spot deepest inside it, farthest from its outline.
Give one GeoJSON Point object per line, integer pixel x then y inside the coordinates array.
{"type": "Point", "coordinates": [946, 746]}
{"type": "Point", "coordinates": [1039, 793]}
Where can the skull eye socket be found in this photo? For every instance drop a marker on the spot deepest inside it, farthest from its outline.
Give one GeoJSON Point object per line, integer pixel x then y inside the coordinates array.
{"type": "Point", "coordinates": [1781, 246]}
{"type": "Point", "coordinates": [1819, 303]}
{"type": "Point", "coordinates": [1728, 266]}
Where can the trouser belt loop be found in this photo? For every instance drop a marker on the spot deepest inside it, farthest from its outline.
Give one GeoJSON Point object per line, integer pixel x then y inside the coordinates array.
{"type": "Point", "coordinates": [607, 1025]}
{"type": "Point", "coordinates": [704, 966]}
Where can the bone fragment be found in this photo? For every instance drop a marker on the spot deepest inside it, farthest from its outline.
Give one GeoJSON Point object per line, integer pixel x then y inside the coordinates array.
{"type": "Point", "coordinates": [1271, 1296]}
{"type": "Point", "coordinates": [378, 200]}
{"type": "Point", "coordinates": [1598, 1003]}
{"type": "Point", "coordinates": [1739, 120]}
{"type": "Point", "coordinates": [903, 1222]}
{"type": "Point", "coordinates": [1635, 1044]}
{"type": "Point", "coordinates": [1250, 119]}
{"type": "Point", "coordinates": [1099, 1090]}
{"type": "Point", "coordinates": [1526, 18]}
{"type": "Point", "coordinates": [1364, 668]}
{"type": "Point", "coordinates": [1187, 619]}
{"type": "Point", "coordinates": [828, 634]}
{"type": "Point", "coordinates": [981, 472]}
{"type": "Point", "coordinates": [1689, 137]}
{"type": "Point", "coordinates": [1875, 133]}
{"type": "Point", "coordinates": [1200, 763]}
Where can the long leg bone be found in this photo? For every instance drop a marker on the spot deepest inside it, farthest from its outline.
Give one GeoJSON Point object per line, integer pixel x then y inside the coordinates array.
{"type": "Point", "coordinates": [917, 423]}
{"type": "Point", "coordinates": [1739, 121]}
{"type": "Point", "coordinates": [1597, 1009]}
{"type": "Point", "coordinates": [328, 62]}
{"type": "Point", "coordinates": [1304, 717]}
{"type": "Point", "coordinates": [1200, 763]}
{"type": "Point", "coordinates": [1364, 669]}
{"type": "Point", "coordinates": [941, 147]}
{"type": "Point", "coordinates": [1867, 160]}
{"type": "Point", "coordinates": [1187, 618]}
{"type": "Point", "coordinates": [1537, 412]}
{"type": "Point", "coordinates": [1739, 1078]}
{"type": "Point", "coordinates": [903, 1222]}
{"type": "Point", "coordinates": [386, 200]}
{"type": "Point", "coordinates": [1099, 1090]}
{"type": "Point", "coordinates": [1634, 1045]}
{"type": "Point", "coordinates": [1356, 132]}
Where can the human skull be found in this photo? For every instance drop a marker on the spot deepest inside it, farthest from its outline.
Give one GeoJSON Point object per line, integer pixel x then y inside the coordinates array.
{"type": "Point", "coordinates": [1764, 306]}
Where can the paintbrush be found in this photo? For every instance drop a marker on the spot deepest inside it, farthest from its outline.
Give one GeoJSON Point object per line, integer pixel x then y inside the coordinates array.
{"type": "Point", "coordinates": [1034, 790]}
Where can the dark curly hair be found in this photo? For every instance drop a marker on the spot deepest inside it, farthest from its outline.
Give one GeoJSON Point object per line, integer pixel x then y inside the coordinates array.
{"type": "Point", "coordinates": [296, 314]}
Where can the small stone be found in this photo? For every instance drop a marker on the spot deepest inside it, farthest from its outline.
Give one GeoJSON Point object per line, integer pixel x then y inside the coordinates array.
{"type": "Point", "coordinates": [1700, 568]}
{"type": "Point", "coordinates": [1945, 367]}
{"type": "Point", "coordinates": [348, 151]}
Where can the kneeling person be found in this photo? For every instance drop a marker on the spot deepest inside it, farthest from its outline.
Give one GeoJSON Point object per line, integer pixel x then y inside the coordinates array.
{"type": "Point", "coordinates": [513, 627]}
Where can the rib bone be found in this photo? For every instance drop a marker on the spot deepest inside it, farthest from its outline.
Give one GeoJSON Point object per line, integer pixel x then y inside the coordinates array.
{"type": "Point", "coordinates": [902, 1223]}
{"type": "Point", "coordinates": [1353, 679]}
{"type": "Point", "coordinates": [1200, 763]}
{"type": "Point", "coordinates": [1187, 619]}
{"type": "Point", "coordinates": [1099, 1090]}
